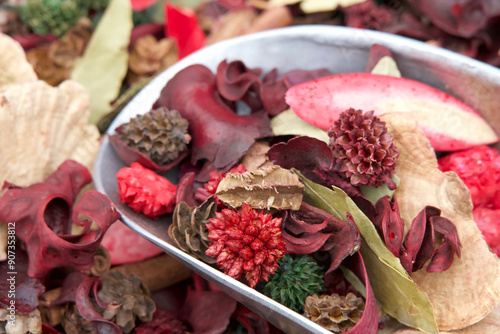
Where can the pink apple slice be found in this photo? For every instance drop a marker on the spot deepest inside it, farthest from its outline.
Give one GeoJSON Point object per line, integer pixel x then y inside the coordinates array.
{"type": "Point", "coordinates": [449, 123]}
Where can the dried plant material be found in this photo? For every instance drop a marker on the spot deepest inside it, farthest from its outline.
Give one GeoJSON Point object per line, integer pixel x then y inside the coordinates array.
{"type": "Point", "coordinates": [490, 324]}
{"type": "Point", "coordinates": [310, 6]}
{"type": "Point", "coordinates": [42, 126]}
{"type": "Point", "coordinates": [470, 288]}
{"type": "Point", "coordinates": [11, 24]}
{"type": "Point", "coordinates": [149, 56]}
{"type": "Point", "coordinates": [15, 69]}
{"type": "Point", "coordinates": [106, 53]}
{"type": "Point", "coordinates": [256, 156]}
{"type": "Point", "coordinates": [386, 66]}
{"type": "Point", "coordinates": [273, 187]}
{"type": "Point", "coordinates": [53, 63]}
{"type": "Point", "coordinates": [288, 123]}
{"type": "Point", "coordinates": [3, 241]}
{"type": "Point", "coordinates": [234, 23]}
{"type": "Point", "coordinates": [102, 262]}
{"type": "Point", "coordinates": [271, 18]}
{"type": "Point", "coordinates": [24, 323]}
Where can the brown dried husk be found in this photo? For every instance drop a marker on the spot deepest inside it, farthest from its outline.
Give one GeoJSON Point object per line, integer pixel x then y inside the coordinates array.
{"type": "Point", "coordinates": [490, 324]}
{"type": "Point", "coordinates": [272, 187]}
{"type": "Point", "coordinates": [469, 290]}
{"type": "Point", "coordinates": [41, 127]}
{"type": "Point", "coordinates": [15, 68]}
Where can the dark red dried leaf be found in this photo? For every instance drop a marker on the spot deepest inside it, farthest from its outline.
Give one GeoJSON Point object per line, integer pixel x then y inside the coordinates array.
{"type": "Point", "coordinates": [252, 322]}
{"type": "Point", "coordinates": [389, 224]}
{"type": "Point", "coordinates": [68, 288]}
{"type": "Point", "coordinates": [163, 322]}
{"type": "Point", "coordinates": [443, 256]}
{"type": "Point", "coordinates": [130, 155]}
{"type": "Point", "coordinates": [87, 311]}
{"type": "Point", "coordinates": [185, 190]}
{"type": "Point", "coordinates": [313, 158]}
{"type": "Point", "coordinates": [26, 289]}
{"type": "Point", "coordinates": [208, 312]}
{"type": "Point", "coordinates": [28, 206]}
{"type": "Point", "coordinates": [219, 135]}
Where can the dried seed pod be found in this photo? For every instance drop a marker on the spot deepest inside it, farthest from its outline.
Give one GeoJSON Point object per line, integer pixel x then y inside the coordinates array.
{"type": "Point", "coordinates": [189, 231]}
{"type": "Point", "coordinates": [272, 187]}
{"type": "Point", "coordinates": [102, 262]}
{"type": "Point", "coordinates": [25, 323]}
{"type": "Point", "coordinates": [333, 312]}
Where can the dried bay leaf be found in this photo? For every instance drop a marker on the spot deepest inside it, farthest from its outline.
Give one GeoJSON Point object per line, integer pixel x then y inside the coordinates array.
{"type": "Point", "coordinates": [272, 187]}
{"type": "Point", "coordinates": [103, 67]}
{"type": "Point", "coordinates": [373, 194]}
{"type": "Point", "coordinates": [387, 66]}
{"type": "Point", "coordinates": [288, 123]}
{"type": "Point", "coordinates": [395, 291]}
{"type": "Point", "coordinates": [470, 289]}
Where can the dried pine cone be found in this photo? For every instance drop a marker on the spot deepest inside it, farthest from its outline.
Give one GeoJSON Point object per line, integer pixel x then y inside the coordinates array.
{"type": "Point", "coordinates": [247, 243]}
{"type": "Point", "coordinates": [189, 230]}
{"type": "Point", "coordinates": [131, 294]}
{"type": "Point", "coordinates": [363, 149]}
{"type": "Point", "coordinates": [333, 312]}
{"type": "Point", "coordinates": [160, 134]}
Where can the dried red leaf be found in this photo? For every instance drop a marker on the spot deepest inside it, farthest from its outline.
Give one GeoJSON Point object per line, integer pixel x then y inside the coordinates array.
{"type": "Point", "coordinates": [163, 322]}
{"type": "Point", "coordinates": [252, 322]}
{"type": "Point", "coordinates": [314, 159]}
{"type": "Point", "coordinates": [68, 288]}
{"type": "Point", "coordinates": [219, 135]}
{"type": "Point", "coordinates": [30, 208]}
{"type": "Point", "coordinates": [34, 40]}
{"type": "Point", "coordinates": [389, 224]}
{"type": "Point", "coordinates": [86, 308]}
{"type": "Point", "coordinates": [185, 190]}
{"type": "Point", "coordinates": [182, 25]}
{"type": "Point", "coordinates": [26, 289]}
{"type": "Point", "coordinates": [139, 5]}
{"type": "Point", "coordinates": [145, 191]}
{"type": "Point", "coordinates": [208, 312]}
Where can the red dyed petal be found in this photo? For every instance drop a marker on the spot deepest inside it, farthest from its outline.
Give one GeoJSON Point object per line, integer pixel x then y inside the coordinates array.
{"type": "Point", "coordinates": [219, 135]}
{"type": "Point", "coordinates": [313, 158]}
{"type": "Point", "coordinates": [185, 190]}
{"type": "Point", "coordinates": [390, 224]}
{"type": "Point", "coordinates": [27, 207]}
{"type": "Point", "coordinates": [442, 258]}
{"type": "Point", "coordinates": [182, 25]}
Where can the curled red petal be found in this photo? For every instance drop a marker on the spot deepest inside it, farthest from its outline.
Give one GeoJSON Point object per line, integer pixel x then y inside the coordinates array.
{"type": "Point", "coordinates": [87, 311]}
{"type": "Point", "coordinates": [443, 256]}
{"type": "Point", "coordinates": [389, 224]}
{"type": "Point", "coordinates": [219, 135]}
{"type": "Point", "coordinates": [27, 207]}
{"type": "Point", "coordinates": [185, 190]}
{"type": "Point", "coordinates": [68, 288]}
{"type": "Point", "coordinates": [313, 158]}
{"type": "Point", "coordinates": [182, 25]}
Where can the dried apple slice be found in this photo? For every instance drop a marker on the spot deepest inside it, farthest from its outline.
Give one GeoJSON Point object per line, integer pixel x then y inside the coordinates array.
{"type": "Point", "coordinates": [470, 288]}
{"type": "Point", "coordinates": [448, 123]}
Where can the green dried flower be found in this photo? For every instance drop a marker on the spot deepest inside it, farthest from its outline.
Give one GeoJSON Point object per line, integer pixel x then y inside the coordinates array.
{"type": "Point", "coordinates": [297, 277]}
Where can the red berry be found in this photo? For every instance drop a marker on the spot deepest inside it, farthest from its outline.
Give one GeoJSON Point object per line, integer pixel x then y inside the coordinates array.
{"type": "Point", "coordinates": [479, 168]}
{"type": "Point", "coordinates": [488, 221]}
{"type": "Point", "coordinates": [145, 191]}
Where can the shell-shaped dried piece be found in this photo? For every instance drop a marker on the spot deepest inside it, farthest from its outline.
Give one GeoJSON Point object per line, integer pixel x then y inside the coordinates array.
{"type": "Point", "coordinates": [333, 312]}
{"type": "Point", "coordinates": [189, 231]}
{"type": "Point", "coordinates": [470, 288]}
{"type": "Point", "coordinates": [15, 68]}
{"type": "Point", "coordinates": [490, 324]}
{"type": "Point", "coordinates": [41, 127]}
{"type": "Point", "coordinates": [272, 187]}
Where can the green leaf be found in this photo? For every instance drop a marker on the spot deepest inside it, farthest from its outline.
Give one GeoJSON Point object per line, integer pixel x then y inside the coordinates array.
{"type": "Point", "coordinates": [387, 66]}
{"type": "Point", "coordinates": [373, 194]}
{"type": "Point", "coordinates": [396, 292]}
{"type": "Point", "coordinates": [288, 123]}
{"type": "Point", "coordinates": [103, 66]}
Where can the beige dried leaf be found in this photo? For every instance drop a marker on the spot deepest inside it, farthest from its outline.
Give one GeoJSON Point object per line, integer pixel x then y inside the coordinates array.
{"type": "Point", "coordinates": [15, 68]}
{"type": "Point", "coordinates": [272, 187]}
{"type": "Point", "coordinates": [256, 156]}
{"type": "Point", "coordinates": [41, 127]}
{"type": "Point", "coordinates": [3, 241]}
{"type": "Point", "coordinates": [490, 324]}
{"type": "Point", "coordinates": [469, 290]}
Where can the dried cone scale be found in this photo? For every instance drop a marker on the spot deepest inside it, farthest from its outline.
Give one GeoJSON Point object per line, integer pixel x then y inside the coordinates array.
{"type": "Point", "coordinates": [189, 231]}
{"type": "Point", "coordinates": [333, 312]}
{"type": "Point", "coordinates": [160, 134]}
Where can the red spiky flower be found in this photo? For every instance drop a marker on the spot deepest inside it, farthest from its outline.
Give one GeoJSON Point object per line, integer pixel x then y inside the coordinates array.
{"type": "Point", "coordinates": [247, 243]}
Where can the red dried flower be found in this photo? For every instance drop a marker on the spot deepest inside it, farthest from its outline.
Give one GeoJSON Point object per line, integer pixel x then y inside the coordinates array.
{"type": "Point", "coordinates": [246, 243]}
{"type": "Point", "coordinates": [145, 191]}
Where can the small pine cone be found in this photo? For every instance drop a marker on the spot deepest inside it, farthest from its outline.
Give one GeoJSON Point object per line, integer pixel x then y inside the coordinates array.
{"type": "Point", "coordinates": [132, 297]}
{"type": "Point", "coordinates": [333, 312]}
{"type": "Point", "coordinates": [363, 149]}
{"type": "Point", "coordinates": [160, 134]}
{"type": "Point", "coordinates": [189, 231]}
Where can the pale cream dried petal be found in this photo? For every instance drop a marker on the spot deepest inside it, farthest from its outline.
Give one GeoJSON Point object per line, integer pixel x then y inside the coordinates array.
{"type": "Point", "coordinates": [3, 241]}
{"type": "Point", "coordinates": [41, 127]}
{"type": "Point", "coordinates": [256, 156]}
{"type": "Point", "coordinates": [490, 324]}
{"type": "Point", "coordinates": [15, 68]}
{"type": "Point", "coordinates": [24, 323]}
{"type": "Point", "coordinates": [272, 187]}
{"type": "Point", "coordinates": [470, 289]}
